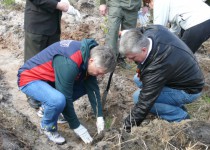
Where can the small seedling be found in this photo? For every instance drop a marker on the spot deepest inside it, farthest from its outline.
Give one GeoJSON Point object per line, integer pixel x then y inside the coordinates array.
{"type": "Point", "coordinates": [108, 122]}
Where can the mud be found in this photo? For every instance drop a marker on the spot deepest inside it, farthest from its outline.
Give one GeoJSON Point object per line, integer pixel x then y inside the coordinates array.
{"type": "Point", "coordinates": [19, 124]}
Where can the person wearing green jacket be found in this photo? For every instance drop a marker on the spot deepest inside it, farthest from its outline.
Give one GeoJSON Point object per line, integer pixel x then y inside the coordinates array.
{"type": "Point", "coordinates": [61, 74]}
{"type": "Point", "coordinates": [122, 14]}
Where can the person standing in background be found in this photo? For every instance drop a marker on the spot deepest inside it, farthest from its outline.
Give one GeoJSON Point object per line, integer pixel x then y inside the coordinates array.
{"type": "Point", "coordinates": [184, 18]}
{"type": "Point", "coordinates": [122, 14]}
{"type": "Point", "coordinates": [207, 2]}
{"type": "Point", "coordinates": [42, 25]}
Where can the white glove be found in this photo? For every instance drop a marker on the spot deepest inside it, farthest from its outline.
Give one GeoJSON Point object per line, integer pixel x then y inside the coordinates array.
{"type": "Point", "coordinates": [78, 15]}
{"type": "Point", "coordinates": [82, 132]}
{"type": "Point", "coordinates": [100, 124]}
{"type": "Point", "coordinates": [74, 12]}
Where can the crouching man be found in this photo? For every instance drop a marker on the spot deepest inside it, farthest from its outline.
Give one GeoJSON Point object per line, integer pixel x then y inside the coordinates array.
{"type": "Point", "coordinates": [59, 75]}
{"type": "Point", "coordinates": [168, 74]}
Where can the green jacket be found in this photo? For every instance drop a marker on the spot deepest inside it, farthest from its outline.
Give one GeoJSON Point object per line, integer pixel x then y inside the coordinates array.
{"type": "Point", "coordinates": [133, 5]}
{"type": "Point", "coordinates": [66, 71]}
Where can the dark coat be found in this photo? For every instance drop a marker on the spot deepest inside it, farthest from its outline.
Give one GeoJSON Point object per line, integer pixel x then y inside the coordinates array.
{"type": "Point", "coordinates": [42, 17]}
{"type": "Point", "coordinates": [170, 63]}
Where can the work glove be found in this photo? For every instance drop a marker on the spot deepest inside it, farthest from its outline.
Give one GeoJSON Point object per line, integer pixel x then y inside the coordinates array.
{"type": "Point", "coordinates": [82, 132]}
{"type": "Point", "coordinates": [74, 12]}
{"type": "Point", "coordinates": [100, 124]}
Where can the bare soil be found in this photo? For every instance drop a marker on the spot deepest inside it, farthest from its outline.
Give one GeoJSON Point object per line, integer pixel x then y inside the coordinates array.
{"type": "Point", "coordinates": [19, 124]}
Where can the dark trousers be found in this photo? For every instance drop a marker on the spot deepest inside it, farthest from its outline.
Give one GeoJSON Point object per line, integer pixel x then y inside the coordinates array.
{"type": "Point", "coordinates": [118, 17]}
{"type": "Point", "coordinates": [196, 35]}
{"type": "Point", "coordinates": [208, 2]}
{"type": "Point", "coordinates": [34, 43]}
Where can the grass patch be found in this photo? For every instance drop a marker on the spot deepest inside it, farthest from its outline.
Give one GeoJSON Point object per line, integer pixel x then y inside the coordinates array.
{"type": "Point", "coordinates": [8, 2]}
{"type": "Point", "coordinates": [200, 109]}
{"type": "Point", "coordinates": [206, 98]}
{"type": "Point", "coordinates": [103, 26]}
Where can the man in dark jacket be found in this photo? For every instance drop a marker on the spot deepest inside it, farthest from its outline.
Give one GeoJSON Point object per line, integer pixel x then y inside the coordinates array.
{"type": "Point", "coordinates": [169, 74]}
{"type": "Point", "coordinates": [42, 27]}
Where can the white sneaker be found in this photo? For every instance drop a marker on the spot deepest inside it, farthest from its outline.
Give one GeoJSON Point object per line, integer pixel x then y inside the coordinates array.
{"type": "Point", "coordinates": [40, 112]}
{"type": "Point", "coordinates": [53, 136]}
{"type": "Point", "coordinates": [61, 119]}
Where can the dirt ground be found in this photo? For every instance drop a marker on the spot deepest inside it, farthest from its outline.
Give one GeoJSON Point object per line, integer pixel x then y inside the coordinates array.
{"type": "Point", "coordinates": [19, 124]}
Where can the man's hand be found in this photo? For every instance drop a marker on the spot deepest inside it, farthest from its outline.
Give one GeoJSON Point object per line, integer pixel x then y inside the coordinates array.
{"type": "Point", "coordinates": [63, 6]}
{"type": "Point", "coordinates": [82, 132]}
{"type": "Point", "coordinates": [103, 9]}
{"type": "Point", "coordinates": [100, 124]}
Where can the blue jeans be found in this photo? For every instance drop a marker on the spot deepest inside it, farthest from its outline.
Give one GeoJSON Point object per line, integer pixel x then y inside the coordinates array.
{"type": "Point", "coordinates": [169, 104]}
{"type": "Point", "coordinates": [53, 100]}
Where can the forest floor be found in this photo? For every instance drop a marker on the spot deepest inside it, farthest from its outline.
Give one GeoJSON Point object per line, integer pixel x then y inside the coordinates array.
{"type": "Point", "coordinates": [19, 124]}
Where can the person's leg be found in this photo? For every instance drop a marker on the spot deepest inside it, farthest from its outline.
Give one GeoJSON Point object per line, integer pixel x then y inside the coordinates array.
{"type": "Point", "coordinates": [195, 36]}
{"type": "Point", "coordinates": [34, 43]}
{"type": "Point", "coordinates": [53, 38]}
{"type": "Point", "coordinates": [129, 19]}
{"type": "Point", "coordinates": [136, 96]}
{"type": "Point", "coordinates": [208, 2]}
{"type": "Point", "coordinates": [169, 112]}
{"type": "Point", "coordinates": [139, 85]}
{"type": "Point", "coordinates": [169, 104]}
{"type": "Point", "coordinates": [114, 21]}
{"type": "Point", "coordinates": [54, 102]}
{"type": "Point", "coordinates": [137, 81]}
{"type": "Point", "coordinates": [78, 91]}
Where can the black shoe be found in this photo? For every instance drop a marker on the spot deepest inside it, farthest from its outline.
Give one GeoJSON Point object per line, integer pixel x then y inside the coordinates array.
{"type": "Point", "coordinates": [34, 103]}
{"type": "Point", "coordinates": [122, 63]}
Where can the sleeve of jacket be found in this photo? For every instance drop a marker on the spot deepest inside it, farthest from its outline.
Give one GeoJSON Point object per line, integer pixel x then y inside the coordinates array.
{"type": "Point", "coordinates": [48, 5]}
{"type": "Point", "coordinates": [153, 81]}
{"type": "Point", "coordinates": [93, 92]}
{"type": "Point", "coordinates": [65, 73]}
{"type": "Point", "coordinates": [161, 12]}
